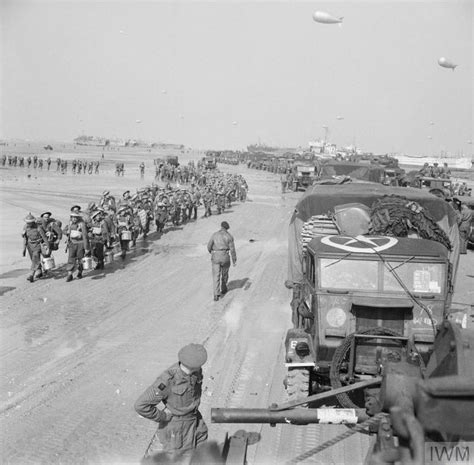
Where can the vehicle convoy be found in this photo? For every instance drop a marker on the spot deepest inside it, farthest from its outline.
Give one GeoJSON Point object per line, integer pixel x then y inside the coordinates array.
{"type": "Point", "coordinates": [372, 269]}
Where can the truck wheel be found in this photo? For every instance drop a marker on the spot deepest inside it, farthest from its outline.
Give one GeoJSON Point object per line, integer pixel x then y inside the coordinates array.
{"type": "Point", "coordinates": [438, 192]}
{"type": "Point", "coordinates": [297, 384]}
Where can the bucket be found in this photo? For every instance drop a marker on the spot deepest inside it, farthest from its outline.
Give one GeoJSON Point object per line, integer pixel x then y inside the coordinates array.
{"type": "Point", "coordinates": [109, 257]}
{"type": "Point", "coordinates": [87, 263]}
{"type": "Point", "coordinates": [48, 263]}
{"type": "Point", "coordinates": [126, 235]}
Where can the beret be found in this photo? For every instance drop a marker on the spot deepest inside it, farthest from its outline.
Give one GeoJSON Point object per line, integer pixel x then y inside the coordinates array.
{"type": "Point", "coordinates": [193, 355]}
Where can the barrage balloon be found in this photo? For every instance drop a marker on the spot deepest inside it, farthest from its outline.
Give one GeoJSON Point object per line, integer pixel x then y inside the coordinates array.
{"type": "Point", "coordinates": [326, 18]}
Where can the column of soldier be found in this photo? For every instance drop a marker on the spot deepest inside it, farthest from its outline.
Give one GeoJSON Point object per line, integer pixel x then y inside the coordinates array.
{"type": "Point", "coordinates": [35, 162]}
{"type": "Point", "coordinates": [104, 227]}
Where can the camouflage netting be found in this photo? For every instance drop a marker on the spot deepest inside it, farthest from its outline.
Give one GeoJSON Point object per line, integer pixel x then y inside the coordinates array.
{"type": "Point", "coordinates": [394, 215]}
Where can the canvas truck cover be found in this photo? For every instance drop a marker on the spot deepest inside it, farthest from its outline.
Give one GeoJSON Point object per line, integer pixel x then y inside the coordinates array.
{"type": "Point", "coordinates": [391, 247]}
{"type": "Point", "coordinates": [368, 173]}
{"type": "Point", "coordinates": [321, 199]}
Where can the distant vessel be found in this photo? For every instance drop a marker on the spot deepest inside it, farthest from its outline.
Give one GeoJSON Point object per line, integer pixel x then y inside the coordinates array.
{"type": "Point", "coordinates": [462, 163]}
{"type": "Point", "coordinates": [261, 148]}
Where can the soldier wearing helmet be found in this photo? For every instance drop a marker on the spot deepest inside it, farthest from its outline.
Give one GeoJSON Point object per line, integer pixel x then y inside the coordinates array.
{"type": "Point", "coordinates": [77, 243]}
{"type": "Point", "coordinates": [426, 170]}
{"type": "Point", "coordinates": [173, 401]}
{"type": "Point", "coordinates": [33, 237]}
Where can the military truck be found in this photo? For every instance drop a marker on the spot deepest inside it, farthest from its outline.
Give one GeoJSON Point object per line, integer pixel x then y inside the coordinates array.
{"type": "Point", "coordinates": [209, 162]}
{"type": "Point", "coordinates": [172, 160]}
{"type": "Point", "coordinates": [372, 269]}
{"type": "Point", "coordinates": [304, 176]}
{"type": "Point", "coordinates": [354, 170]}
{"type": "Point", "coordinates": [440, 187]}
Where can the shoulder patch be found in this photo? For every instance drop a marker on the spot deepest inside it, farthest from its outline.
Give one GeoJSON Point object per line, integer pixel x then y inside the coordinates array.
{"type": "Point", "coordinates": [162, 387]}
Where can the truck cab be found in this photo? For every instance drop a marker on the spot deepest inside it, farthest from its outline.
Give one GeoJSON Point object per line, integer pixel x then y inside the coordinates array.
{"type": "Point", "coordinates": [210, 163]}
{"type": "Point", "coordinates": [357, 288]}
{"type": "Point", "coordinates": [304, 177]}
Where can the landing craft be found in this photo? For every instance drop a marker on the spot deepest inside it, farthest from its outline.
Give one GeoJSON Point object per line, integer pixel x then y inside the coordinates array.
{"type": "Point", "coordinates": [339, 117]}
{"type": "Point", "coordinates": [445, 63]}
{"type": "Point", "coordinates": [326, 18]}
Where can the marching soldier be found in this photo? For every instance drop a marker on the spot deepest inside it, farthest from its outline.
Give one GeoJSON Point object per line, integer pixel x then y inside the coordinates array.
{"type": "Point", "coordinates": [124, 228]}
{"type": "Point", "coordinates": [220, 201]}
{"type": "Point", "coordinates": [207, 199]}
{"type": "Point", "coordinates": [99, 237]}
{"type": "Point", "coordinates": [219, 246]}
{"type": "Point", "coordinates": [52, 230]}
{"type": "Point", "coordinates": [161, 216]}
{"type": "Point", "coordinates": [33, 237]}
{"type": "Point", "coordinates": [107, 199]}
{"type": "Point", "coordinates": [77, 245]}
{"type": "Point", "coordinates": [173, 401]}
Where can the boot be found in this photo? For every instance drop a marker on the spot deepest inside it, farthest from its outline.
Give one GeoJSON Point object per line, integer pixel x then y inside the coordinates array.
{"type": "Point", "coordinates": [30, 278]}
{"type": "Point", "coordinates": [69, 277]}
{"type": "Point", "coordinates": [79, 274]}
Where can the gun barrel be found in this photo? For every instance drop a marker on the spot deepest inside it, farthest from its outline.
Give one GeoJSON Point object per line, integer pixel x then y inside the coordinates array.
{"type": "Point", "coordinates": [296, 416]}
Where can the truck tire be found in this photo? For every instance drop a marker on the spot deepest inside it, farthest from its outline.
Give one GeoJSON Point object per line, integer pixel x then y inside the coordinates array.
{"type": "Point", "coordinates": [297, 384]}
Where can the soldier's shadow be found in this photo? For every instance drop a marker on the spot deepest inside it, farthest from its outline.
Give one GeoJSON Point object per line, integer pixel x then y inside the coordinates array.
{"type": "Point", "coordinates": [172, 228]}
{"type": "Point", "coordinates": [237, 284]}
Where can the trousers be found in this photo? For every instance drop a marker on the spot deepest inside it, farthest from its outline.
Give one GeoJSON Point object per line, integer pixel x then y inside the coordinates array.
{"type": "Point", "coordinates": [34, 251]}
{"type": "Point", "coordinates": [177, 439]}
{"type": "Point", "coordinates": [220, 271]}
{"type": "Point", "coordinates": [97, 246]}
{"type": "Point", "coordinates": [76, 254]}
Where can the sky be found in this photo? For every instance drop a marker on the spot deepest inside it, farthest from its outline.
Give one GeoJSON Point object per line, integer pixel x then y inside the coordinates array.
{"type": "Point", "coordinates": [231, 73]}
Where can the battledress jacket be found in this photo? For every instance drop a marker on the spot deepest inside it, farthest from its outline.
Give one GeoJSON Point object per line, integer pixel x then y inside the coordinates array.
{"type": "Point", "coordinates": [180, 392]}
{"type": "Point", "coordinates": [222, 241]}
